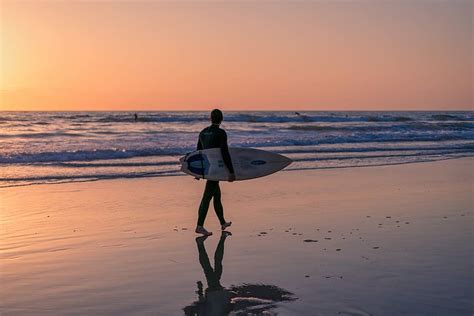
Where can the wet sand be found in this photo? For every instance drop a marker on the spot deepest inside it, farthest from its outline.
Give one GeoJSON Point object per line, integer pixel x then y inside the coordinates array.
{"type": "Point", "coordinates": [392, 240]}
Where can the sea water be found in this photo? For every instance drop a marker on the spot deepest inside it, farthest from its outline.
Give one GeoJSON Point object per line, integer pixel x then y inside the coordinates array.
{"type": "Point", "coordinates": [52, 147]}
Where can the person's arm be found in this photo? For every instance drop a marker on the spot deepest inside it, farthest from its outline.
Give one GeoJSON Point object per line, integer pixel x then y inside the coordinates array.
{"type": "Point", "coordinates": [199, 144]}
{"type": "Point", "coordinates": [226, 154]}
{"type": "Point", "coordinates": [198, 147]}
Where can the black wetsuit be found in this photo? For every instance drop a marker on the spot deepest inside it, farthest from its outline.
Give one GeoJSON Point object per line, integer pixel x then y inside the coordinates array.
{"type": "Point", "coordinates": [213, 137]}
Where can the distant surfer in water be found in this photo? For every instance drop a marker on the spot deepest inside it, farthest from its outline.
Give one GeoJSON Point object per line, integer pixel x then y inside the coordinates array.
{"type": "Point", "coordinates": [304, 117]}
{"type": "Point", "coordinates": [214, 137]}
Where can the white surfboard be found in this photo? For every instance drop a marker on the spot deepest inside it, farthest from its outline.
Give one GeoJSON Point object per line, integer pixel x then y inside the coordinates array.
{"type": "Point", "coordinates": [248, 163]}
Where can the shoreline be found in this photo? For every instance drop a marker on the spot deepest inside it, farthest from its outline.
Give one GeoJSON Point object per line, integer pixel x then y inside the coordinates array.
{"type": "Point", "coordinates": [180, 174]}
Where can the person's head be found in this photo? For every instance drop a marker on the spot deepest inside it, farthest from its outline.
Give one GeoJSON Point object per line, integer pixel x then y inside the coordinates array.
{"type": "Point", "coordinates": [216, 116]}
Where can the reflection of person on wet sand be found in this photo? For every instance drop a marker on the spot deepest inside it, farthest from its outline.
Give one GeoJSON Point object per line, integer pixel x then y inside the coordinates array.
{"type": "Point", "coordinates": [218, 300]}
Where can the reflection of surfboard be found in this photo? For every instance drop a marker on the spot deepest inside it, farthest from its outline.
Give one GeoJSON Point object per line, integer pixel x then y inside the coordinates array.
{"type": "Point", "coordinates": [248, 163]}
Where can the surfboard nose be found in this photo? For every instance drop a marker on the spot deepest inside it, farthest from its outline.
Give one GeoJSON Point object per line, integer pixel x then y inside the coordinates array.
{"type": "Point", "coordinates": [286, 161]}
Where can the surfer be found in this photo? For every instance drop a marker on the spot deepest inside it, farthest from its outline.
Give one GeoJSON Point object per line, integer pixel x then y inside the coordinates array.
{"type": "Point", "coordinates": [214, 137]}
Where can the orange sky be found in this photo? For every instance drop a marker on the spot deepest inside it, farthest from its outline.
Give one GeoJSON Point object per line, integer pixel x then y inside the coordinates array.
{"type": "Point", "coordinates": [246, 55]}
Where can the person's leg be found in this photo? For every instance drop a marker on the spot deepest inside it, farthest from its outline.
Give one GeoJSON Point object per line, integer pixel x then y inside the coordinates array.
{"type": "Point", "coordinates": [218, 205]}
{"type": "Point", "coordinates": [209, 192]}
{"type": "Point", "coordinates": [219, 209]}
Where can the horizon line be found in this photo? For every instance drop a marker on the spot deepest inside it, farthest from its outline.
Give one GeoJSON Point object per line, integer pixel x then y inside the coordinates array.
{"type": "Point", "coordinates": [247, 110]}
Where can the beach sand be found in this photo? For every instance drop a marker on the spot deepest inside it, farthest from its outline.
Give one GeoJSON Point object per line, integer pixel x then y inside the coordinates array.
{"type": "Point", "coordinates": [390, 240]}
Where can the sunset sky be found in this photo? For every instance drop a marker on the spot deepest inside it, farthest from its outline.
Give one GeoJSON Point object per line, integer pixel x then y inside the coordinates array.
{"type": "Point", "coordinates": [243, 55]}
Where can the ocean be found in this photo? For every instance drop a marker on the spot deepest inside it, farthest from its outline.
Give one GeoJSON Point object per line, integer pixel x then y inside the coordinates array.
{"type": "Point", "coordinates": [53, 147]}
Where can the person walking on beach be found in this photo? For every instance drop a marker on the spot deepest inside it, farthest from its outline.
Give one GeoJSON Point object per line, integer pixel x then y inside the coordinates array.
{"type": "Point", "coordinates": [214, 137]}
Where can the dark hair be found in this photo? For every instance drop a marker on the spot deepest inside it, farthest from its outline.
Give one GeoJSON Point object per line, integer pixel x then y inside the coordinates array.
{"type": "Point", "coordinates": [216, 116]}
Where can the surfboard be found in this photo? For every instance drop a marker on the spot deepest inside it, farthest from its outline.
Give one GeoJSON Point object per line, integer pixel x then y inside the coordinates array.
{"type": "Point", "coordinates": [248, 163]}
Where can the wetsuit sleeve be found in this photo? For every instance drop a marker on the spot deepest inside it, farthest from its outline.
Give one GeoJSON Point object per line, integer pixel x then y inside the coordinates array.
{"type": "Point", "coordinates": [199, 144]}
{"type": "Point", "coordinates": [225, 152]}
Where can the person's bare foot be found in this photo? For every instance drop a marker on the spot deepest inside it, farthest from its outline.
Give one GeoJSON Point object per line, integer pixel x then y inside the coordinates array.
{"type": "Point", "coordinates": [203, 231]}
{"type": "Point", "coordinates": [225, 234]}
{"type": "Point", "coordinates": [225, 225]}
